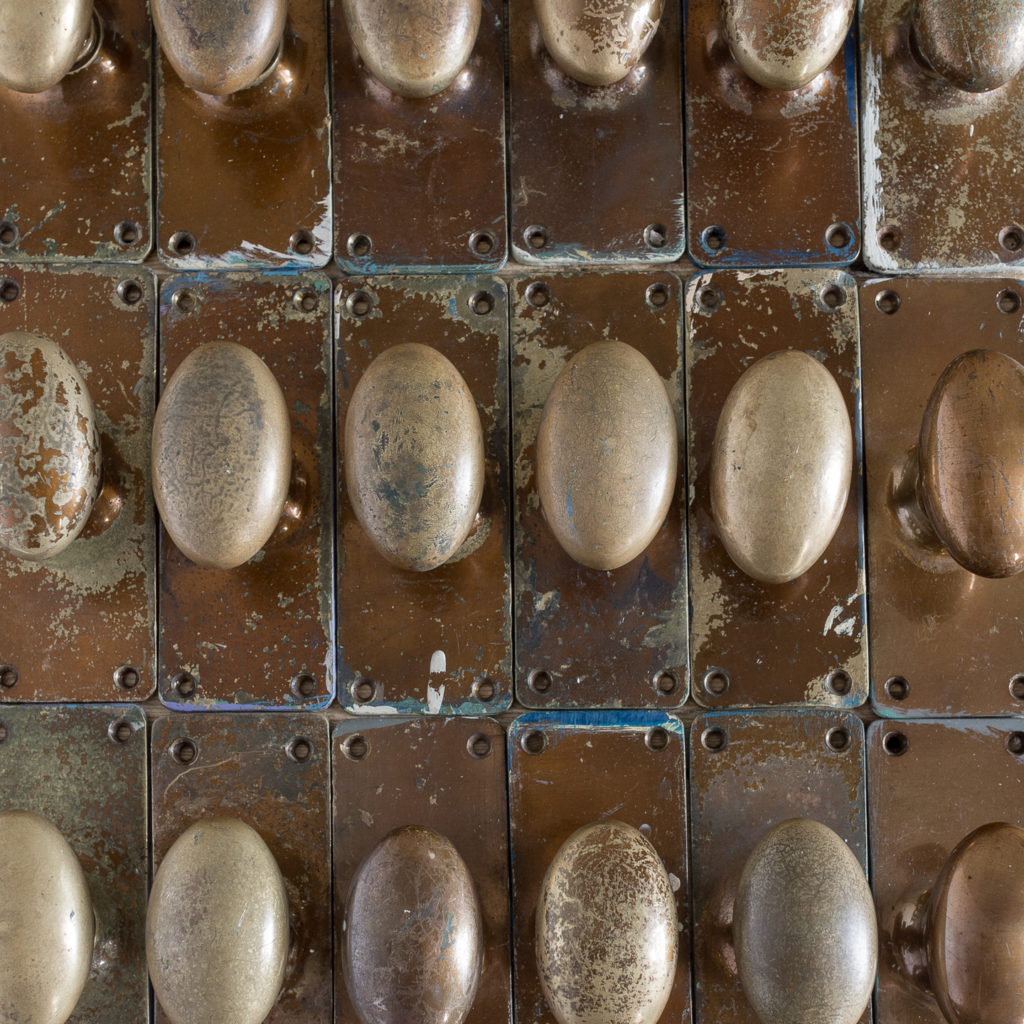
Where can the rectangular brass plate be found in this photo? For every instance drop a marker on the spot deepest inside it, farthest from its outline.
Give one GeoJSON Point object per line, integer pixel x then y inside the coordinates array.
{"type": "Point", "coordinates": [596, 173]}
{"type": "Point", "coordinates": [626, 765]}
{"type": "Point", "coordinates": [419, 184]}
{"type": "Point", "coordinates": [948, 642]}
{"type": "Point", "coordinates": [259, 635]}
{"type": "Point", "coordinates": [76, 171]}
{"type": "Point", "coordinates": [951, 778]}
{"type": "Point", "coordinates": [587, 638]}
{"type": "Point", "coordinates": [247, 177]}
{"type": "Point", "coordinates": [444, 774]}
{"type": "Point", "coordinates": [84, 770]}
{"type": "Point", "coordinates": [436, 641]}
{"type": "Point", "coordinates": [748, 772]}
{"type": "Point", "coordinates": [81, 626]}
{"type": "Point", "coordinates": [772, 175]}
{"type": "Point", "coordinates": [942, 175]}
{"type": "Point", "coordinates": [790, 643]}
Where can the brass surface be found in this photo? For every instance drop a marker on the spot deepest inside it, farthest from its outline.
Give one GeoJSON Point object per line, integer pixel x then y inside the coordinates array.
{"type": "Point", "coordinates": [41, 42]}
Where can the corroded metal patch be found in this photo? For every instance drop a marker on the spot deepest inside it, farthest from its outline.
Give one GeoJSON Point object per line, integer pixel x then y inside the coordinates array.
{"type": "Point", "coordinates": [80, 626]}
{"type": "Point", "coordinates": [258, 635]}
{"type": "Point", "coordinates": [587, 637]}
{"type": "Point", "coordinates": [435, 641]}
{"type": "Point", "coordinates": [446, 775]}
{"type": "Point", "coordinates": [751, 642]}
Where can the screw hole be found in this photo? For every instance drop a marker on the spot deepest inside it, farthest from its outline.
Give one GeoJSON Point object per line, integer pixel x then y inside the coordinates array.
{"type": "Point", "coordinates": [9, 290]}
{"type": "Point", "coordinates": [9, 234]}
{"type": "Point", "coordinates": [184, 685]}
{"type": "Point", "coordinates": [710, 298]}
{"type": "Point", "coordinates": [839, 682]}
{"type": "Point", "coordinates": [887, 301]}
{"type": "Point", "coordinates": [130, 292]}
{"type": "Point", "coordinates": [355, 747]}
{"type": "Point", "coordinates": [713, 238]}
{"type": "Point", "coordinates": [8, 677]}
{"type": "Point", "coordinates": [1017, 687]}
{"type": "Point", "coordinates": [184, 751]}
{"type": "Point", "coordinates": [363, 691]}
{"type": "Point", "coordinates": [539, 681]}
{"type": "Point", "coordinates": [305, 300]}
{"type": "Point", "coordinates": [655, 236]}
{"type": "Point", "coordinates": [478, 745]}
{"type": "Point", "coordinates": [895, 744]}
{"type": "Point", "coordinates": [302, 686]}
{"type": "Point", "coordinates": [127, 677]}
{"type": "Point", "coordinates": [716, 681]}
{"type": "Point", "coordinates": [536, 237]}
{"type": "Point", "coordinates": [301, 242]}
{"type": "Point", "coordinates": [182, 243]}
{"type": "Point", "coordinates": [359, 304]}
{"type": "Point", "coordinates": [713, 739]}
{"type": "Point", "coordinates": [837, 739]}
{"type": "Point", "coordinates": [482, 303]}
{"type": "Point", "coordinates": [897, 688]}
{"type": "Point", "coordinates": [1011, 238]}
{"type": "Point", "coordinates": [359, 245]}
{"type": "Point", "coordinates": [1015, 743]}
{"type": "Point", "coordinates": [838, 236]}
{"type": "Point", "coordinates": [127, 234]}
{"type": "Point", "coordinates": [656, 739]}
{"type": "Point", "coordinates": [483, 690]}
{"type": "Point", "coordinates": [833, 296]}
{"type": "Point", "coordinates": [120, 731]}
{"type": "Point", "coordinates": [666, 681]}
{"type": "Point", "coordinates": [889, 238]}
{"type": "Point", "coordinates": [1008, 301]}
{"type": "Point", "coordinates": [299, 749]}
{"type": "Point", "coordinates": [538, 294]}
{"type": "Point", "coordinates": [533, 742]}
{"type": "Point", "coordinates": [184, 300]}
{"type": "Point", "coordinates": [656, 295]}
{"type": "Point", "coordinates": [482, 243]}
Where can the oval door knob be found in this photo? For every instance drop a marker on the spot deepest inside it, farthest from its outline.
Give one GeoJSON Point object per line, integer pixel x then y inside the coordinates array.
{"type": "Point", "coordinates": [607, 933]}
{"type": "Point", "coordinates": [42, 41]}
{"type": "Point", "coordinates": [976, 45]}
{"type": "Point", "coordinates": [781, 465]}
{"type": "Point", "coordinates": [606, 455]}
{"type": "Point", "coordinates": [414, 47]}
{"type": "Point", "coordinates": [804, 928]}
{"type": "Point", "coordinates": [597, 43]}
{"type": "Point", "coordinates": [47, 925]}
{"type": "Point", "coordinates": [217, 47]}
{"type": "Point", "coordinates": [217, 933]}
{"type": "Point", "coordinates": [414, 456]}
{"type": "Point", "coordinates": [50, 457]}
{"type": "Point", "coordinates": [222, 455]}
{"type": "Point", "coordinates": [413, 944]}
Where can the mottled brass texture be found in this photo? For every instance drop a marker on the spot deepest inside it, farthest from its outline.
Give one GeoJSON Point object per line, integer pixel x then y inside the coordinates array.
{"type": "Point", "coordinates": [755, 643]}
{"type": "Point", "coordinates": [79, 626]}
{"type": "Point", "coordinates": [750, 771]}
{"type": "Point", "coordinates": [441, 776]}
{"type": "Point", "coordinates": [41, 42]}
{"type": "Point", "coordinates": [586, 637]}
{"type": "Point", "coordinates": [270, 772]}
{"type": "Point", "coordinates": [596, 172]}
{"type": "Point", "coordinates": [419, 184]}
{"type": "Point", "coordinates": [437, 641]}
{"type": "Point", "coordinates": [570, 770]}
{"type": "Point", "coordinates": [258, 635]}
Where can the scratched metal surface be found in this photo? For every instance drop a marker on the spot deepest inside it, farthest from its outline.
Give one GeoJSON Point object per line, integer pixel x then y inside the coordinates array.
{"type": "Point", "coordinates": [770, 766]}
{"type": "Point", "coordinates": [69, 624]}
{"type": "Point", "coordinates": [954, 641]}
{"type": "Point", "coordinates": [419, 772]}
{"type": "Point", "coordinates": [782, 643]}
{"type": "Point", "coordinates": [625, 765]}
{"type": "Point", "coordinates": [84, 770]}
{"type": "Point", "coordinates": [259, 635]}
{"type": "Point", "coordinates": [773, 170]}
{"type": "Point", "coordinates": [570, 142]}
{"type": "Point", "coordinates": [942, 175]}
{"type": "Point", "coordinates": [248, 176]}
{"type": "Point", "coordinates": [422, 179]}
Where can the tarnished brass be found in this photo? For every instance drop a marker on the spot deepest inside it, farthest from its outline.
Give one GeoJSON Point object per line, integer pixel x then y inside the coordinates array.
{"type": "Point", "coordinates": [413, 933]}
{"type": "Point", "coordinates": [42, 41]}
{"type": "Point", "coordinates": [414, 456]}
{"type": "Point", "coordinates": [607, 933]}
{"type": "Point", "coordinates": [607, 455]}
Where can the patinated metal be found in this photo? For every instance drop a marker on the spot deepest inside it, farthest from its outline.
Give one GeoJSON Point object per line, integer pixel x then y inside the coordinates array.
{"type": "Point", "coordinates": [444, 643]}
{"type": "Point", "coordinates": [621, 142]}
{"type": "Point", "coordinates": [933, 624]}
{"type": "Point", "coordinates": [755, 643]}
{"type": "Point", "coordinates": [750, 771]}
{"type": "Point", "coordinates": [444, 778]}
{"type": "Point", "coordinates": [586, 637]}
{"type": "Point", "coordinates": [624, 771]}
{"type": "Point", "coordinates": [258, 635]}
{"type": "Point", "coordinates": [42, 41]}
{"type": "Point", "coordinates": [79, 626]}
{"type": "Point", "coordinates": [270, 772]}
{"type": "Point", "coordinates": [419, 184]}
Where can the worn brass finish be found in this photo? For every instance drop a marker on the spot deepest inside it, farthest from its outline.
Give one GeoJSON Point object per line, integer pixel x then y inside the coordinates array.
{"type": "Point", "coordinates": [42, 41]}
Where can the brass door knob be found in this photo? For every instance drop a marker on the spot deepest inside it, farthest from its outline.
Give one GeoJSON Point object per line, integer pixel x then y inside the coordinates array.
{"type": "Point", "coordinates": [222, 455]}
{"type": "Point", "coordinates": [607, 454]}
{"type": "Point", "coordinates": [414, 47]}
{"type": "Point", "coordinates": [414, 456]}
{"type": "Point", "coordinates": [220, 48]}
{"type": "Point", "coordinates": [785, 45]}
{"type": "Point", "coordinates": [597, 44]}
{"type": "Point", "coordinates": [781, 466]}
{"type": "Point", "coordinates": [607, 933]}
{"type": "Point", "coordinates": [975, 45]}
{"type": "Point", "coordinates": [217, 934]}
{"type": "Point", "coordinates": [46, 40]}
{"type": "Point", "coordinates": [47, 925]}
{"type": "Point", "coordinates": [413, 936]}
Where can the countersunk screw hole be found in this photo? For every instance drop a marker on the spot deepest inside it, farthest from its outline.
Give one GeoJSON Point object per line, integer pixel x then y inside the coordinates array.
{"type": "Point", "coordinates": [479, 746]}
{"type": "Point", "coordinates": [895, 744]}
{"type": "Point", "coordinates": [656, 295]}
{"type": "Point", "coordinates": [716, 681]}
{"type": "Point", "coordinates": [1017, 687]}
{"type": "Point", "coordinates": [839, 682]}
{"type": "Point", "coordinates": [302, 686]}
{"type": "Point", "coordinates": [184, 300]}
{"type": "Point", "coordinates": [837, 739]}
{"type": "Point", "coordinates": [536, 236]}
{"type": "Point", "coordinates": [833, 296]}
{"type": "Point", "coordinates": [8, 677]}
{"type": "Point", "coordinates": [363, 691]}
{"type": "Point", "coordinates": [656, 738]}
{"type": "Point", "coordinates": [127, 677]}
{"type": "Point", "coordinates": [305, 300]}
{"type": "Point", "coordinates": [120, 731]}
{"type": "Point", "coordinates": [355, 747]}
{"type": "Point", "coordinates": [655, 236]}
{"type": "Point", "coordinates": [1011, 238]}
{"type": "Point", "coordinates": [9, 234]}
{"type": "Point", "coordinates": [359, 245]}
{"type": "Point", "coordinates": [184, 751]}
{"type": "Point", "coordinates": [539, 681]}
{"type": "Point", "coordinates": [1015, 743]}
{"type": "Point", "coordinates": [1008, 301]}
{"type": "Point", "coordinates": [359, 304]}
{"type": "Point", "coordinates": [713, 238]}
{"type": "Point", "coordinates": [889, 238]}
{"type": "Point", "coordinates": [538, 294]}
{"type": "Point", "coordinates": [482, 243]}
{"type": "Point", "coordinates": [897, 688]}
{"type": "Point", "coordinates": [838, 236]}
{"type": "Point", "coordinates": [713, 739]}
{"type": "Point", "coordinates": [127, 234]}
{"type": "Point", "coordinates": [666, 681]}
{"type": "Point", "coordinates": [182, 243]}
{"type": "Point", "coordinates": [299, 749]}
{"type": "Point", "coordinates": [483, 690]}
{"type": "Point", "coordinates": [710, 298]}
{"type": "Point", "coordinates": [130, 292]}
{"type": "Point", "coordinates": [887, 301]}
{"type": "Point", "coordinates": [301, 242]}
{"type": "Point", "coordinates": [9, 290]}
{"type": "Point", "coordinates": [533, 742]}
{"type": "Point", "coordinates": [482, 303]}
{"type": "Point", "coordinates": [184, 685]}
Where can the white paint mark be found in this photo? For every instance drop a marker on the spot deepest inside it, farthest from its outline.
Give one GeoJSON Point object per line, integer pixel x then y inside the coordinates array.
{"type": "Point", "coordinates": [371, 709]}
{"type": "Point", "coordinates": [434, 699]}
{"type": "Point", "coordinates": [438, 663]}
{"type": "Point", "coordinates": [845, 628]}
{"type": "Point", "coordinates": [837, 610]}
{"type": "Point", "coordinates": [674, 882]}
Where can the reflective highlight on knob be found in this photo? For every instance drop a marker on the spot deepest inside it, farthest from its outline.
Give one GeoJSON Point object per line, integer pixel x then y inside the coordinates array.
{"type": "Point", "coordinates": [414, 47]}
{"type": "Point", "coordinates": [221, 455]}
{"type": "Point", "coordinates": [597, 42]}
{"type": "Point", "coordinates": [41, 41]}
{"type": "Point", "coordinates": [781, 466]}
{"type": "Point", "coordinates": [217, 926]}
{"type": "Point", "coordinates": [607, 932]}
{"type": "Point", "coordinates": [47, 925]}
{"type": "Point", "coordinates": [50, 459]}
{"type": "Point", "coordinates": [413, 932]}
{"type": "Point", "coordinates": [606, 455]}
